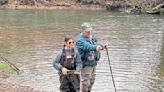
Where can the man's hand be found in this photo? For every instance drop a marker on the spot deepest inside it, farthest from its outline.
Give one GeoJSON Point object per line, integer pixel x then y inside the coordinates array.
{"type": "Point", "coordinates": [99, 47]}
{"type": "Point", "coordinates": [64, 71]}
{"type": "Point", "coordinates": [105, 46]}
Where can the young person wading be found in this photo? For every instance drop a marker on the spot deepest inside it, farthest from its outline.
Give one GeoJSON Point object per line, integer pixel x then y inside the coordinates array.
{"type": "Point", "coordinates": [68, 63]}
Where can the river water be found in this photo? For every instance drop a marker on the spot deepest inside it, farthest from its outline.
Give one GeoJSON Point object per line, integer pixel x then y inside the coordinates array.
{"type": "Point", "coordinates": [30, 39]}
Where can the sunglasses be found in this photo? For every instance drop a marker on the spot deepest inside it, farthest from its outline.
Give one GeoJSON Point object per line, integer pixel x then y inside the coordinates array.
{"type": "Point", "coordinates": [71, 42]}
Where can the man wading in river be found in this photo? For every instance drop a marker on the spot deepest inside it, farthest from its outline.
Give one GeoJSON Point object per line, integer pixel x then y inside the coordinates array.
{"type": "Point", "coordinates": [69, 65]}
{"type": "Point", "coordinates": [88, 49]}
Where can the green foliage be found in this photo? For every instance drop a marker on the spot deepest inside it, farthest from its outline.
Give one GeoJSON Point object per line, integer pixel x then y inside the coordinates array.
{"type": "Point", "coordinates": [4, 67]}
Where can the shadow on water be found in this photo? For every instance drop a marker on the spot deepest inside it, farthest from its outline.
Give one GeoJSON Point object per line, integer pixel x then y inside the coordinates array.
{"type": "Point", "coordinates": [161, 68]}
{"type": "Point", "coordinates": [160, 71]}
{"type": "Point", "coordinates": [158, 79]}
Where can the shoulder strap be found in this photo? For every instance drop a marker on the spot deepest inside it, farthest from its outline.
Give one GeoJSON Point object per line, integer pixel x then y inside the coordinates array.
{"type": "Point", "coordinates": [63, 51]}
{"type": "Point", "coordinates": [73, 52]}
{"type": "Point", "coordinates": [63, 56]}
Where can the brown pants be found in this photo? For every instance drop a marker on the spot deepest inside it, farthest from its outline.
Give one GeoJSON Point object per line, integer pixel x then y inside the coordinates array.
{"type": "Point", "coordinates": [69, 83]}
{"type": "Point", "coordinates": [87, 78]}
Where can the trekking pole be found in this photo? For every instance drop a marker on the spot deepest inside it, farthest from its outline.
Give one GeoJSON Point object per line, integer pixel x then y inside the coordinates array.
{"type": "Point", "coordinates": [10, 64]}
{"type": "Point", "coordinates": [110, 69]}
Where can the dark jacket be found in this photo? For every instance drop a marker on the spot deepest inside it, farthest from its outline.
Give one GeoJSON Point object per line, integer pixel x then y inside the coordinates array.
{"type": "Point", "coordinates": [87, 47]}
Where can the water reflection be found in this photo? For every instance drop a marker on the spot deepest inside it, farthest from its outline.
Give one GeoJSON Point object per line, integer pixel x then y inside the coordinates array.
{"type": "Point", "coordinates": [158, 84]}
{"type": "Point", "coordinates": [134, 52]}
{"type": "Point", "coordinates": [161, 68]}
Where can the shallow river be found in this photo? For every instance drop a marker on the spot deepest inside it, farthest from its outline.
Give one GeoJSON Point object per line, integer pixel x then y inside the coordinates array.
{"type": "Point", "coordinates": [30, 38]}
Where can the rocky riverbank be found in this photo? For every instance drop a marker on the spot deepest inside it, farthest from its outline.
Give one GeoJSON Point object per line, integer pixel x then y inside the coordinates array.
{"type": "Point", "coordinates": [6, 73]}
{"type": "Point", "coordinates": [7, 87]}
{"type": "Point", "coordinates": [129, 6]}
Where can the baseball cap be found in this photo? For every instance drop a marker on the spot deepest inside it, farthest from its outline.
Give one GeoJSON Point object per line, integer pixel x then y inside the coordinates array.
{"type": "Point", "coordinates": [86, 26]}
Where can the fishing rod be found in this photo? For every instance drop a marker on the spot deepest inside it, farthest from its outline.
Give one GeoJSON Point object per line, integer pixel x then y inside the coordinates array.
{"type": "Point", "coordinates": [110, 68]}
{"type": "Point", "coordinates": [10, 64]}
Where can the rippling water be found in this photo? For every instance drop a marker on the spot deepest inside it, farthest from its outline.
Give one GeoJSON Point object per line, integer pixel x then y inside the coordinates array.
{"type": "Point", "coordinates": [30, 38]}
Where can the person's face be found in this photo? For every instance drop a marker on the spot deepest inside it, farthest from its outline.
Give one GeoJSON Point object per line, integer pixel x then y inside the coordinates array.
{"type": "Point", "coordinates": [70, 43]}
{"type": "Point", "coordinates": [86, 33]}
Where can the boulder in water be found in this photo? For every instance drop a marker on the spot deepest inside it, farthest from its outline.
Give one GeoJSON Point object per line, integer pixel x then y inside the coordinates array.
{"type": "Point", "coordinates": [159, 9]}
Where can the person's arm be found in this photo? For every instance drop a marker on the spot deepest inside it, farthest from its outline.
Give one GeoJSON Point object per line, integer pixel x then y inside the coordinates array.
{"type": "Point", "coordinates": [85, 46]}
{"type": "Point", "coordinates": [57, 65]}
{"type": "Point", "coordinates": [79, 64]}
{"type": "Point", "coordinates": [56, 61]}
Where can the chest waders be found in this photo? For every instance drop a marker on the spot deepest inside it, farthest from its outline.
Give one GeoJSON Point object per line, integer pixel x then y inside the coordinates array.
{"type": "Point", "coordinates": [70, 82]}
{"type": "Point", "coordinates": [68, 59]}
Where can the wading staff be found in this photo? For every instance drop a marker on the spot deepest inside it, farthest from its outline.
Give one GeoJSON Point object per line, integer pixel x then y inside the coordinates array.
{"type": "Point", "coordinates": [110, 68]}
{"type": "Point", "coordinates": [81, 86]}
{"type": "Point", "coordinates": [10, 64]}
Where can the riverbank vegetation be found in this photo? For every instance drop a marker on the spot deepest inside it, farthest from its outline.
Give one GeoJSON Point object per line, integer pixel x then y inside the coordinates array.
{"type": "Point", "coordinates": [136, 6]}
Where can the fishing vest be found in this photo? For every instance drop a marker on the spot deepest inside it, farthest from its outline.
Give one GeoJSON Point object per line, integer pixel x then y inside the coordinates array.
{"type": "Point", "coordinates": [68, 59]}
{"type": "Point", "coordinates": [91, 57]}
